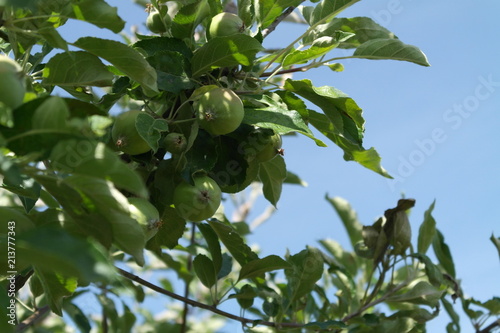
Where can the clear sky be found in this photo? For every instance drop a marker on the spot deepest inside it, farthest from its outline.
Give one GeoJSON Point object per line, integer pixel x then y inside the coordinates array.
{"type": "Point", "coordinates": [436, 129]}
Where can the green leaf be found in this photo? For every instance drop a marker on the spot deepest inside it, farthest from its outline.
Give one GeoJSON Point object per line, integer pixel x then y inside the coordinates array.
{"type": "Point", "coordinates": [327, 9]}
{"type": "Point", "coordinates": [152, 46]}
{"type": "Point", "coordinates": [124, 58]}
{"type": "Point", "coordinates": [432, 271]}
{"type": "Point", "coordinates": [239, 49]}
{"type": "Point", "coordinates": [76, 68]}
{"type": "Point", "coordinates": [269, 111]}
{"type": "Point", "coordinates": [258, 267]}
{"type": "Point", "coordinates": [173, 71]}
{"type": "Point", "coordinates": [204, 268]}
{"type": "Point", "coordinates": [56, 288]}
{"type": "Point", "coordinates": [454, 326]}
{"type": "Point", "coordinates": [427, 230]}
{"type": "Point", "coordinates": [342, 121]}
{"type": "Point", "coordinates": [362, 28]}
{"type": "Point", "coordinates": [382, 48]}
{"type": "Point", "coordinates": [421, 293]}
{"type": "Point", "coordinates": [240, 251]}
{"type": "Point", "coordinates": [54, 250]}
{"type": "Point", "coordinates": [104, 199]}
{"type": "Point", "coordinates": [319, 47]}
{"type": "Point", "coordinates": [150, 129]}
{"type": "Point", "coordinates": [170, 232]}
{"type": "Point", "coordinates": [307, 269]}
{"type": "Point", "coordinates": [496, 242]}
{"type": "Point", "coordinates": [443, 253]}
{"type": "Point", "coordinates": [86, 157]}
{"type": "Point", "coordinates": [272, 174]}
{"type": "Point", "coordinates": [245, 296]}
{"type": "Point", "coordinates": [326, 325]}
{"type": "Point", "coordinates": [213, 245]}
{"type": "Point", "coordinates": [270, 10]}
{"type": "Point", "coordinates": [188, 18]}
{"type": "Point", "coordinates": [28, 191]}
{"type": "Point", "coordinates": [98, 13]}
{"type": "Point", "coordinates": [77, 316]}
{"type": "Point", "coordinates": [348, 217]}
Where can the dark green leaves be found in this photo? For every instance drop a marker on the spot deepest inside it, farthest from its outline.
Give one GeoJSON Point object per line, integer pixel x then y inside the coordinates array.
{"type": "Point", "coordinates": [258, 267]}
{"type": "Point", "coordinates": [272, 174]}
{"type": "Point", "coordinates": [150, 129]}
{"type": "Point", "coordinates": [421, 293]}
{"type": "Point", "coordinates": [443, 253]}
{"type": "Point", "coordinates": [124, 58]}
{"type": "Point", "coordinates": [427, 231]}
{"type": "Point", "coordinates": [229, 51]}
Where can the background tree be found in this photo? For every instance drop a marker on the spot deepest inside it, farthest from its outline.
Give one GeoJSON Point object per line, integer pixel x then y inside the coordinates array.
{"type": "Point", "coordinates": [91, 195]}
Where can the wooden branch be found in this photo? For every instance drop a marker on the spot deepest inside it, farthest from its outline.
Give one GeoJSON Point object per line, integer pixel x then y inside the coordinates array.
{"type": "Point", "coordinates": [197, 304]}
{"type": "Point", "coordinates": [277, 21]}
{"type": "Point", "coordinates": [490, 327]}
{"type": "Point", "coordinates": [31, 320]}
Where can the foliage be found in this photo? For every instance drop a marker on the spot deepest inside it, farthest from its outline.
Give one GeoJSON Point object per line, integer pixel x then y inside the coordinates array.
{"type": "Point", "coordinates": [67, 187]}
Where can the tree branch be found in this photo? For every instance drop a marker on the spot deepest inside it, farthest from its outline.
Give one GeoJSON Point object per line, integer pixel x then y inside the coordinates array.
{"type": "Point", "coordinates": [197, 304]}
{"type": "Point", "coordinates": [37, 315]}
{"type": "Point", "coordinates": [490, 327]}
{"type": "Point", "coordinates": [277, 21]}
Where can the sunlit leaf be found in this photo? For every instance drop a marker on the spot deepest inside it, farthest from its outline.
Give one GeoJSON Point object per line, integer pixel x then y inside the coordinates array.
{"type": "Point", "coordinates": [378, 49]}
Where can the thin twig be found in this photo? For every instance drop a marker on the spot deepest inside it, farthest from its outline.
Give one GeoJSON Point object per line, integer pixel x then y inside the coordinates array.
{"type": "Point", "coordinates": [490, 327]}
{"type": "Point", "coordinates": [197, 304]}
{"type": "Point", "coordinates": [277, 21]}
{"type": "Point", "coordinates": [186, 288]}
{"type": "Point", "coordinates": [31, 320]}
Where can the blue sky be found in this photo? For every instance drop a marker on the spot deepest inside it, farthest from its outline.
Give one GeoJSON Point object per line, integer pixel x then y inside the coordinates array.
{"type": "Point", "coordinates": [436, 129]}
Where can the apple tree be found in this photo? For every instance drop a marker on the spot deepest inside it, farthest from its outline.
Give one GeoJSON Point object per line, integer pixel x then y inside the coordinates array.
{"type": "Point", "coordinates": [118, 157]}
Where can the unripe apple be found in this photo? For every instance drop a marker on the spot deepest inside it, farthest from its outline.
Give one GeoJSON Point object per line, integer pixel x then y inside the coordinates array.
{"type": "Point", "coordinates": [197, 202]}
{"type": "Point", "coordinates": [11, 82]}
{"type": "Point", "coordinates": [225, 24]}
{"type": "Point", "coordinates": [220, 111]}
{"type": "Point", "coordinates": [125, 134]}
{"type": "Point", "coordinates": [175, 143]}
{"type": "Point", "coordinates": [158, 24]}
{"type": "Point", "coordinates": [262, 145]}
{"type": "Point", "coordinates": [146, 215]}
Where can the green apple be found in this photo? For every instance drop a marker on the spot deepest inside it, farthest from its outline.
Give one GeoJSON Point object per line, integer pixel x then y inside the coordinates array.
{"type": "Point", "coordinates": [197, 202]}
{"type": "Point", "coordinates": [158, 24]}
{"type": "Point", "coordinates": [225, 24]}
{"type": "Point", "coordinates": [11, 82]}
{"type": "Point", "coordinates": [175, 143]}
{"type": "Point", "coordinates": [146, 215]}
{"type": "Point", "coordinates": [125, 134]}
{"type": "Point", "coordinates": [220, 111]}
{"type": "Point", "coordinates": [262, 145]}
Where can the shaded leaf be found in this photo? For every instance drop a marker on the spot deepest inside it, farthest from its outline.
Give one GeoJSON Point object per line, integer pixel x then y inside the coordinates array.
{"type": "Point", "coordinates": [233, 242]}
{"type": "Point", "coordinates": [239, 49]}
{"type": "Point", "coordinates": [272, 174]}
{"type": "Point", "coordinates": [421, 293]}
{"type": "Point", "coordinates": [56, 288]}
{"type": "Point", "coordinates": [150, 129]}
{"type": "Point", "coordinates": [213, 245]}
{"type": "Point", "coordinates": [307, 269]}
{"type": "Point", "coordinates": [427, 230]}
{"type": "Point", "coordinates": [394, 49]}
{"type": "Point", "coordinates": [348, 217]}
{"type": "Point", "coordinates": [204, 268]}
{"type": "Point", "coordinates": [258, 267]}
{"type": "Point", "coordinates": [77, 316]}
{"type": "Point", "coordinates": [443, 254]}
{"type": "Point", "coordinates": [76, 68]}
{"type": "Point", "coordinates": [124, 58]}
